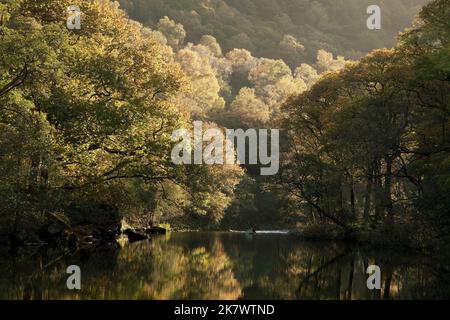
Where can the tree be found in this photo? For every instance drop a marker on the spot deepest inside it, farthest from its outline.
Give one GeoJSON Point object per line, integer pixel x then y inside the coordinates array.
{"type": "Point", "coordinates": [326, 62]}
{"type": "Point", "coordinates": [203, 97]}
{"type": "Point", "coordinates": [369, 143]}
{"type": "Point", "coordinates": [90, 114]}
{"type": "Point", "coordinates": [250, 110]}
{"type": "Point", "coordinates": [268, 72]}
{"type": "Point", "coordinates": [307, 73]}
{"type": "Point", "coordinates": [174, 32]}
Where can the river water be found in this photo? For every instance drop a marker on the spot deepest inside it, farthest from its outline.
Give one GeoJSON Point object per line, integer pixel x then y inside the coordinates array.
{"type": "Point", "coordinates": [214, 265]}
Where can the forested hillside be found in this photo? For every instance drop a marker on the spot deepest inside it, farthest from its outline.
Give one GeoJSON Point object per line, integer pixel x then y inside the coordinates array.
{"type": "Point", "coordinates": [292, 30]}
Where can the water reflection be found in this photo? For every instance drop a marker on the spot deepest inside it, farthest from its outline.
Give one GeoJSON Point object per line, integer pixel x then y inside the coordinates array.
{"type": "Point", "coordinates": [221, 266]}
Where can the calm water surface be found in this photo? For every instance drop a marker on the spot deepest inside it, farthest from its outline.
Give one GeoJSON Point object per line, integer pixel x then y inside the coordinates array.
{"type": "Point", "coordinates": [221, 266]}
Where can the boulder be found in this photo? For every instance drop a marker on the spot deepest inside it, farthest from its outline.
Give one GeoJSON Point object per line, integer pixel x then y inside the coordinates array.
{"type": "Point", "coordinates": [134, 235]}
{"type": "Point", "coordinates": [55, 228]}
{"type": "Point", "coordinates": [51, 233]}
{"type": "Point", "coordinates": [155, 230]}
{"type": "Point", "coordinates": [100, 220]}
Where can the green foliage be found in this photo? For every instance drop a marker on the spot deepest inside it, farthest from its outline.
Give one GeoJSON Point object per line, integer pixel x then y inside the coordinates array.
{"type": "Point", "coordinates": [286, 29]}
{"type": "Point", "coordinates": [89, 113]}
{"type": "Point", "coordinates": [369, 144]}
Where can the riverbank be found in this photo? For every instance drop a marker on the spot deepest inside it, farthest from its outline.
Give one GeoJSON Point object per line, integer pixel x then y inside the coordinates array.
{"type": "Point", "coordinates": [382, 236]}
{"type": "Point", "coordinates": [84, 225]}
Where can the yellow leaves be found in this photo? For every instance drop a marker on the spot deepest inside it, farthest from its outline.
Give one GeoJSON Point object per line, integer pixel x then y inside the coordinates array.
{"type": "Point", "coordinates": [202, 94]}
{"type": "Point", "coordinates": [249, 109]}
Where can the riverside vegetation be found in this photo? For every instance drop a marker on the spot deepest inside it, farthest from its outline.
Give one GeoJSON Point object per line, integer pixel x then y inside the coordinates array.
{"type": "Point", "coordinates": [86, 118]}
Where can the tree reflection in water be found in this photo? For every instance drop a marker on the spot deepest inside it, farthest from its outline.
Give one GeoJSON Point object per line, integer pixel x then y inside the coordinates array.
{"type": "Point", "coordinates": [222, 266]}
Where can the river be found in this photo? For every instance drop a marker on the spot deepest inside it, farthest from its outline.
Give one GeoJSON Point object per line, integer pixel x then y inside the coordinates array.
{"type": "Point", "coordinates": [221, 265]}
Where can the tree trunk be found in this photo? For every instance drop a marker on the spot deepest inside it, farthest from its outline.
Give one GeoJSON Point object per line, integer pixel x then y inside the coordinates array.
{"type": "Point", "coordinates": [352, 199]}
{"type": "Point", "coordinates": [387, 201]}
{"type": "Point", "coordinates": [368, 196]}
{"type": "Point", "coordinates": [34, 172]}
{"type": "Point", "coordinates": [378, 195]}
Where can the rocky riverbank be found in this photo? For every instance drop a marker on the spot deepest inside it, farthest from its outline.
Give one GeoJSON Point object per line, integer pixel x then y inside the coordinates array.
{"type": "Point", "coordinates": [81, 225]}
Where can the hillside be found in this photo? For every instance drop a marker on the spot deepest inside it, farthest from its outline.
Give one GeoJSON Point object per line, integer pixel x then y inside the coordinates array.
{"type": "Point", "coordinates": [263, 26]}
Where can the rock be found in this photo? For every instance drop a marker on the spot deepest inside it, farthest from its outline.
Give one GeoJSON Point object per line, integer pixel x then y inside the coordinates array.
{"type": "Point", "coordinates": [134, 236]}
{"type": "Point", "coordinates": [155, 230]}
{"type": "Point", "coordinates": [50, 233]}
{"type": "Point", "coordinates": [99, 220]}
{"type": "Point", "coordinates": [57, 234]}
{"type": "Point", "coordinates": [122, 240]}
{"type": "Point", "coordinates": [55, 228]}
